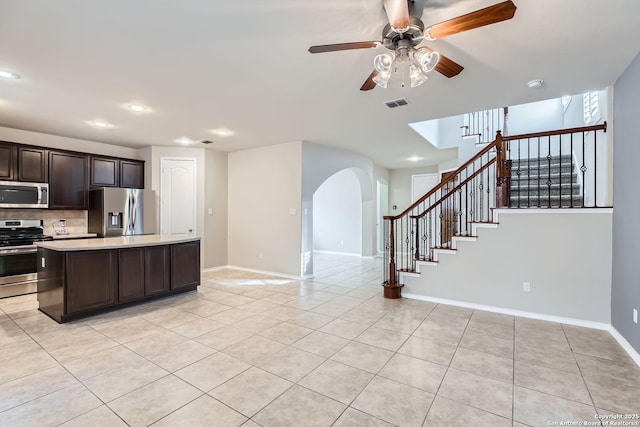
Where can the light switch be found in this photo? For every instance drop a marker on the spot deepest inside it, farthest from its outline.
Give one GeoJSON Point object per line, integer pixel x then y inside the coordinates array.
{"type": "Point", "coordinates": [210, 211]}
{"type": "Point", "coordinates": [293, 211]}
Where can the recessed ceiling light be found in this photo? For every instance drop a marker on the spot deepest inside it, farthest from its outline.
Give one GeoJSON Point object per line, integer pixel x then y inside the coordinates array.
{"type": "Point", "coordinates": [138, 108]}
{"type": "Point", "coordinates": [100, 124]}
{"type": "Point", "coordinates": [222, 132]}
{"type": "Point", "coordinates": [535, 83]}
{"type": "Point", "coordinates": [414, 158]}
{"type": "Point", "coordinates": [9, 75]}
{"type": "Point", "coordinates": [184, 140]}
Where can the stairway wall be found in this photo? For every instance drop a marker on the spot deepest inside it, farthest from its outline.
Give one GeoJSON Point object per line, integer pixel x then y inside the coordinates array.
{"type": "Point", "coordinates": [564, 254]}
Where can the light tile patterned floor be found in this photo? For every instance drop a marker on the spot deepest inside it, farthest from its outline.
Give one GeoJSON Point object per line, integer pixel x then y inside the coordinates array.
{"type": "Point", "coordinates": [253, 350]}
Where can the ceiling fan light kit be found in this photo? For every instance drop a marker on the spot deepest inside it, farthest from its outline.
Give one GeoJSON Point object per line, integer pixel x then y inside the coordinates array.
{"type": "Point", "coordinates": [402, 35]}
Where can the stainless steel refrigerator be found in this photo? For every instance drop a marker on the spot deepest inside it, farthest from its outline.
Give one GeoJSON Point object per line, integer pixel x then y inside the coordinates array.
{"type": "Point", "coordinates": [122, 212]}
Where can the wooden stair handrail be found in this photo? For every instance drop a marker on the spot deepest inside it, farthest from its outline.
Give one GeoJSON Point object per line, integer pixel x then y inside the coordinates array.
{"type": "Point", "coordinates": [454, 189]}
{"type": "Point", "coordinates": [602, 126]}
{"type": "Point", "coordinates": [493, 144]}
{"type": "Point", "coordinates": [445, 181]}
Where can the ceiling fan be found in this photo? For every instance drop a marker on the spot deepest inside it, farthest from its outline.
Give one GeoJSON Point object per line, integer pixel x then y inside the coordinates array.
{"type": "Point", "coordinates": [402, 35]}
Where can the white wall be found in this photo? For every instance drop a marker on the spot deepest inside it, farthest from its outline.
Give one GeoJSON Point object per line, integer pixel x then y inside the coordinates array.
{"type": "Point", "coordinates": [216, 199]}
{"type": "Point", "coordinates": [63, 143]}
{"type": "Point", "coordinates": [337, 214]}
{"type": "Point", "coordinates": [566, 257]}
{"type": "Point", "coordinates": [264, 186]}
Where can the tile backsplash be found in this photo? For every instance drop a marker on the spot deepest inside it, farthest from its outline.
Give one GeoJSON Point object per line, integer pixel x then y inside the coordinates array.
{"type": "Point", "coordinates": [76, 220]}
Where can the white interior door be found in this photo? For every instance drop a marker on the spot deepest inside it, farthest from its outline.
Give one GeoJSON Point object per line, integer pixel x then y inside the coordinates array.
{"type": "Point", "coordinates": [421, 184]}
{"type": "Point", "coordinates": [178, 196]}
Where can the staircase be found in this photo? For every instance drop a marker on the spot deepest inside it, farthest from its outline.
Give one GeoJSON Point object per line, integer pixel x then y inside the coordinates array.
{"type": "Point", "coordinates": [465, 200]}
{"type": "Point", "coordinates": [544, 182]}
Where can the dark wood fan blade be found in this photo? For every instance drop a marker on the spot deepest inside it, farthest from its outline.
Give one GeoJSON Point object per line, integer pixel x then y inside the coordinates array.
{"type": "Point", "coordinates": [489, 15]}
{"type": "Point", "coordinates": [342, 46]}
{"type": "Point", "coordinates": [369, 83]}
{"type": "Point", "coordinates": [397, 12]}
{"type": "Point", "coordinates": [448, 67]}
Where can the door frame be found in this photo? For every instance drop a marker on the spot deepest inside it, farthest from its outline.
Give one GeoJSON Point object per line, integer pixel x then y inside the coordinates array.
{"type": "Point", "coordinates": [195, 189]}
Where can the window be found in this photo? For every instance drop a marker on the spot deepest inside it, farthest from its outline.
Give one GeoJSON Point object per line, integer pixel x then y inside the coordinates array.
{"type": "Point", "coordinates": [591, 110]}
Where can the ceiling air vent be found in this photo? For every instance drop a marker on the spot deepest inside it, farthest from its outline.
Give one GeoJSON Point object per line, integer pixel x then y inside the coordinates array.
{"type": "Point", "coordinates": [206, 141]}
{"type": "Point", "coordinates": [396, 103]}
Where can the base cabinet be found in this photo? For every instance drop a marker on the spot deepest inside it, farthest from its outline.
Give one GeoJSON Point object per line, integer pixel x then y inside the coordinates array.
{"type": "Point", "coordinates": [130, 274]}
{"type": "Point", "coordinates": [185, 262]}
{"type": "Point", "coordinates": [91, 280]}
{"type": "Point", "coordinates": [156, 270]}
{"type": "Point", "coordinates": [74, 284]}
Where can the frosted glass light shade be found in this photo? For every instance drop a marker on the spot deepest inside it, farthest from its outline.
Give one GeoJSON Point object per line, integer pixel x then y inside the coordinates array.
{"type": "Point", "coordinates": [426, 58]}
{"type": "Point", "coordinates": [382, 79]}
{"type": "Point", "coordinates": [416, 76]}
{"type": "Point", "coordinates": [383, 62]}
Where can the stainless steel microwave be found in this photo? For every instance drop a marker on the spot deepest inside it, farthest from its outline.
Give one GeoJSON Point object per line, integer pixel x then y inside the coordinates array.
{"type": "Point", "coordinates": [14, 194]}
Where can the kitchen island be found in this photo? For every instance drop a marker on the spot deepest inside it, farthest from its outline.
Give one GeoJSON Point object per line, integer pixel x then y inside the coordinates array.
{"type": "Point", "coordinates": [77, 278]}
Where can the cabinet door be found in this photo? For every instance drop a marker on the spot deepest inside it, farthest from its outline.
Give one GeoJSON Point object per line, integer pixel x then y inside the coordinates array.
{"type": "Point", "coordinates": [104, 172]}
{"type": "Point", "coordinates": [7, 161]}
{"type": "Point", "coordinates": [91, 278]}
{"type": "Point", "coordinates": [131, 274]}
{"type": "Point", "coordinates": [32, 164]}
{"type": "Point", "coordinates": [185, 265]}
{"type": "Point", "coordinates": [131, 174]}
{"type": "Point", "coordinates": [156, 270]}
{"type": "Point", "coordinates": [68, 180]}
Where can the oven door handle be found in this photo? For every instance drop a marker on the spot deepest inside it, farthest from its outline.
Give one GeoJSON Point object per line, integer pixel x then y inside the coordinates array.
{"type": "Point", "coordinates": [18, 250]}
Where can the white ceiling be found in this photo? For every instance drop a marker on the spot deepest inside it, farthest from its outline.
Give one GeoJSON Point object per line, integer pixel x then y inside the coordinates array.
{"type": "Point", "coordinates": [244, 65]}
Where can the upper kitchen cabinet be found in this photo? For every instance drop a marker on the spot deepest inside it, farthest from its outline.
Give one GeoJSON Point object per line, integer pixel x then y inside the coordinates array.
{"type": "Point", "coordinates": [105, 172]}
{"type": "Point", "coordinates": [131, 173]}
{"type": "Point", "coordinates": [68, 180]}
{"type": "Point", "coordinates": [33, 164]}
{"type": "Point", "coordinates": [8, 161]}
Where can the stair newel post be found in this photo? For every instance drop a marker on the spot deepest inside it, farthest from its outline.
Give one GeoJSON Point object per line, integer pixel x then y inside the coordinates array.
{"type": "Point", "coordinates": [503, 173]}
{"type": "Point", "coordinates": [392, 288]}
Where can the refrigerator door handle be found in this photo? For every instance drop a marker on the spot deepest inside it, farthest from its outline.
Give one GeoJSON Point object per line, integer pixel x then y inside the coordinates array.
{"type": "Point", "coordinates": [133, 207]}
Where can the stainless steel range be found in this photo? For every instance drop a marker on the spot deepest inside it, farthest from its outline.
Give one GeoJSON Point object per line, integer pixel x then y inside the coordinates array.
{"type": "Point", "coordinates": [18, 255]}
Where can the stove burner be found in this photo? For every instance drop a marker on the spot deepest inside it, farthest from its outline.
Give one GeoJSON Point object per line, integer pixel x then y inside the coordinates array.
{"type": "Point", "coordinates": [22, 232]}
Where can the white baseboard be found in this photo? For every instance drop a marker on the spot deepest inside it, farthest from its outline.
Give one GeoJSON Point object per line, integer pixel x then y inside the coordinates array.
{"type": "Point", "coordinates": [338, 253]}
{"type": "Point", "coordinates": [253, 270]}
{"type": "Point", "coordinates": [625, 344]}
{"type": "Point", "coordinates": [538, 316]}
{"type": "Point", "coordinates": [519, 313]}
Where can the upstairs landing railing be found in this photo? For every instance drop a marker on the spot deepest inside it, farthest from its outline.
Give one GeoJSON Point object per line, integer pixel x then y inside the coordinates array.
{"type": "Point", "coordinates": [555, 169]}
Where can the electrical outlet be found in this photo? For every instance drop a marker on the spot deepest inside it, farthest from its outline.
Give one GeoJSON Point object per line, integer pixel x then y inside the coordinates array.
{"type": "Point", "coordinates": [635, 315]}
{"type": "Point", "coordinates": [526, 286]}
{"type": "Point", "coordinates": [259, 255]}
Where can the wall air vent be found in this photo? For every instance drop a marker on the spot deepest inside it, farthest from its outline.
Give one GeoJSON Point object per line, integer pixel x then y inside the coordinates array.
{"type": "Point", "coordinates": [396, 103]}
{"type": "Point", "coordinates": [206, 141]}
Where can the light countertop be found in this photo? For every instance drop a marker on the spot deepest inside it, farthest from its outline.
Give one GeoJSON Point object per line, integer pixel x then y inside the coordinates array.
{"type": "Point", "coordinates": [73, 236]}
{"type": "Point", "coordinates": [115, 242]}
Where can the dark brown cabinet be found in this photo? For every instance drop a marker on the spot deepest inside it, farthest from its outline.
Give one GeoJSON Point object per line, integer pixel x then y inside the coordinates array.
{"type": "Point", "coordinates": [92, 278]}
{"type": "Point", "coordinates": [33, 164]}
{"type": "Point", "coordinates": [157, 270]}
{"type": "Point", "coordinates": [185, 265]}
{"type": "Point", "coordinates": [131, 174]}
{"type": "Point", "coordinates": [75, 283]}
{"type": "Point", "coordinates": [8, 157]}
{"type": "Point", "coordinates": [130, 274]}
{"type": "Point", "coordinates": [68, 180]}
{"type": "Point", "coordinates": [105, 172]}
